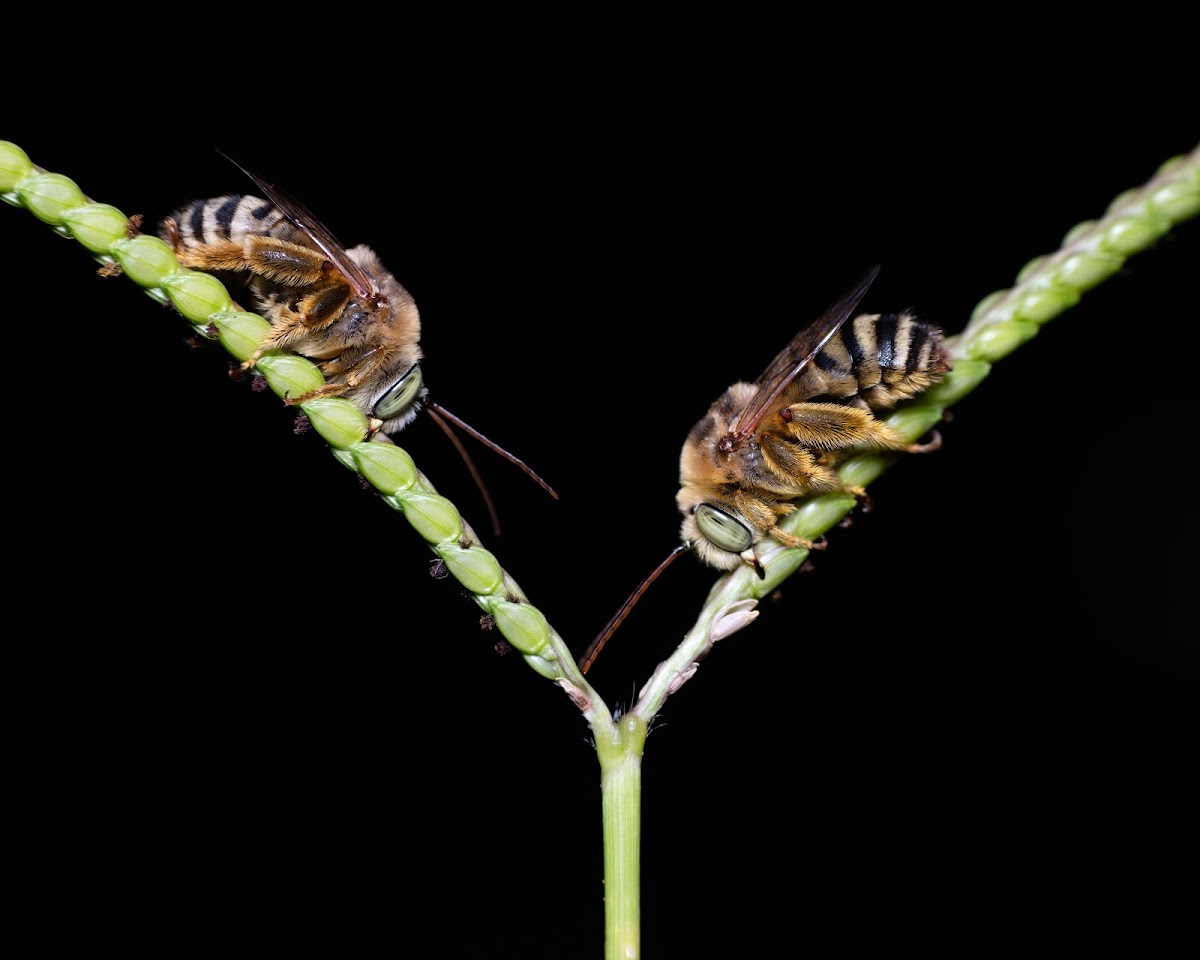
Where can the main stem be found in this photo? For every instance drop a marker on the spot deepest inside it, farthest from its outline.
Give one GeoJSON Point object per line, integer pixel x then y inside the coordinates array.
{"type": "Point", "coordinates": [621, 795]}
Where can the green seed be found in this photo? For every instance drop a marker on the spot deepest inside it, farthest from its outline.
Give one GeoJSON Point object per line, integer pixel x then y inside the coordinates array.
{"type": "Point", "coordinates": [779, 566]}
{"type": "Point", "coordinates": [15, 165]}
{"type": "Point", "coordinates": [1084, 270]}
{"type": "Point", "coordinates": [1177, 201]}
{"type": "Point", "coordinates": [1121, 199]}
{"type": "Point", "coordinates": [240, 332]}
{"type": "Point", "coordinates": [1077, 232]}
{"type": "Point", "coordinates": [475, 568]}
{"type": "Point", "coordinates": [916, 419]}
{"type": "Point", "coordinates": [995, 306]}
{"type": "Point", "coordinates": [145, 259]}
{"type": "Point", "coordinates": [388, 468]}
{"type": "Point", "coordinates": [196, 295]}
{"type": "Point", "coordinates": [965, 377]}
{"type": "Point", "coordinates": [820, 513]}
{"type": "Point", "coordinates": [1044, 303]}
{"type": "Point", "coordinates": [339, 422]}
{"type": "Point", "coordinates": [541, 665]}
{"type": "Point", "coordinates": [1032, 267]}
{"type": "Point", "coordinates": [49, 195]}
{"type": "Point", "coordinates": [289, 375]}
{"type": "Point", "coordinates": [1129, 235]}
{"type": "Point", "coordinates": [523, 625]}
{"type": "Point", "coordinates": [434, 517]}
{"type": "Point", "coordinates": [863, 469]}
{"type": "Point", "coordinates": [999, 341]}
{"type": "Point", "coordinates": [96, 225]}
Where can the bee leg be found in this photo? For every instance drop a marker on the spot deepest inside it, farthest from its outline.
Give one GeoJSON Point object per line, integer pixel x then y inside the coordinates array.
{"type": "Point", "coordinates": [836, 426]}
{"type": "Point", "coordinates": [353, 369]}
{"type": "Point", "coordinates": [171, 228]}
{"type": "Point", "coordinates": [223, 257]}
{"type": "Point", "coordinates": [328, 390]}
{"type": "Point", "coordinates": [933, 443]}
{"type": "Point", "coordinates": [791, 540]}
{"type": "Point", "coordinates": [289, 327]}
{"type": "Point", "coordinates": [865, 503]}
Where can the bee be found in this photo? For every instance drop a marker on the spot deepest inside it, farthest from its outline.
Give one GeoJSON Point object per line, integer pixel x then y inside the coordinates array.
{"type": "Point", "coordinates": [763, 446]}
{"type": "Point", "coordinates": [339, 307]}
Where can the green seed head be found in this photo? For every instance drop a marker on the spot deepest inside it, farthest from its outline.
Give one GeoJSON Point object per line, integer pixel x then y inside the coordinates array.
{"type": "Point", "coordinates": [289, 375]}
{"type": "Point", "coordinates": [388, 468]}
{"type": "Point", "coordinates": [1129, 235]}
{"type": "Point", "coordinates": [475, 568]}
{"type": "Point", "coordinates": [994, 342]}
{"type": "Point", "coordinates": [1084, 270]}
{"type": "Point", "coordinates": [1177, 201]}
{"type": "Point", "coordinates": [339, 422]}
{"type": "Point", "coordinates": [434, 517]}
{"type": "Point", "coordinates": [1044, 303]}
{"type": "Point", "coordinates": [146, 260]}
{"type": "Point", "coordinates": [96, 225]}
{"type": "Point", "coordinates": [49, 195]}
{"type": "Point", "coordinates": [523, 625]}
{"type": "Point", "coordinates": [15, 165]}
{"type": "Point", "coordinates": [240, 332]}
{"type": "Point", "coordinates": [196, 295]}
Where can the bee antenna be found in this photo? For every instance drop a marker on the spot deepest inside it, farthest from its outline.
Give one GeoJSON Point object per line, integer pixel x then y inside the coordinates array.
{"type": "Point", "coordinates": [594, 648]}
{"type": "Point", "coordinates": [495, 448]}
{"type": "Point", "coordinates": [462, 452]}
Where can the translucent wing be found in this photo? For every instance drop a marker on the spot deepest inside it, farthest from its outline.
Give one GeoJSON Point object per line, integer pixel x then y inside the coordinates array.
{"type": "Point", "coordinates": [796, 356]}
{"type": "Point", "coordinates": [326, 242]}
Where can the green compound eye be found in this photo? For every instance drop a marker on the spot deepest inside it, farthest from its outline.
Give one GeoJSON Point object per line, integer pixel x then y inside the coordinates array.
{"type": "Point", "coordinates": [722, 529]}
{"type": "Point", "coordinates": [400, 395]}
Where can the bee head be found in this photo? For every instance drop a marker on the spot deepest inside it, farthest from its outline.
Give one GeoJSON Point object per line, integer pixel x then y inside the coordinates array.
{"type": "Point", "coordinates": [720, 538]}
{"type": "Point", "coordinates": [400, 399]}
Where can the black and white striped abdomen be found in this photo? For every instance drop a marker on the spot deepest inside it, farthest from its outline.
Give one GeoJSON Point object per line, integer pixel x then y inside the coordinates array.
{"type": "Point", "coordinates": [878, 359]}
{"type": "Point", "coordinates": [232, 217]}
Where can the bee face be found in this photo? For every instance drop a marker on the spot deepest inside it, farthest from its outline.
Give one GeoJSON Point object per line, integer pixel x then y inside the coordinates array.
{"type": "Point", "coordinates": [709, 480]}
{"type": "Point", "coordinates": [764, 445]}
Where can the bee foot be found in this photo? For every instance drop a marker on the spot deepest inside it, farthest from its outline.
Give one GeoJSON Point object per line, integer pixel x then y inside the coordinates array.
{"type": "Point", "coordinates": [933, 443]}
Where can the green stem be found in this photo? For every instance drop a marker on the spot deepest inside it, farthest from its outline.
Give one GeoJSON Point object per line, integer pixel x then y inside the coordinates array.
{"type": "Point", "coordinates": [620, 756]}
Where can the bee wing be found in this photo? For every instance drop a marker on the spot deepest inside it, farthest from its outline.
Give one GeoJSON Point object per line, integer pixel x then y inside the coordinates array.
{"type": "Point", "coordinates": [797, 355]}
{"type": "Point", "coordinates": [326, 242]}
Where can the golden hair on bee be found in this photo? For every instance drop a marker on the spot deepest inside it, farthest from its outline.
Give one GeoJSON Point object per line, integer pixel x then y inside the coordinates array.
{"type": "Point", "coordinates": [763, 446]}
{"type": "Point", "coordinates": [339, 307]}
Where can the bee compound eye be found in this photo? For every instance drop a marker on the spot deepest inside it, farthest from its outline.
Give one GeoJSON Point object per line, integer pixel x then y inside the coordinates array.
{"type": "Point", "coordinates": [722, 529]}
{"type": "Point", "coordinates": [400, 395]}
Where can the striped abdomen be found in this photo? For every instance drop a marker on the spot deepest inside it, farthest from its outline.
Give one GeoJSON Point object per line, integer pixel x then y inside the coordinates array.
{"type": "Point", "coordinates": [233, 217]}
{"type": "Point", "coordinates": [876, 360]}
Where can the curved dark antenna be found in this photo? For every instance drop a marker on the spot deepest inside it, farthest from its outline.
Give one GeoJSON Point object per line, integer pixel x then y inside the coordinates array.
{"type": "Point", "coordinates": [594, 648]}
{"type": "Point", "coordinates": [462, 452]}
{"type": "Point", "coordinates": [495, 448]}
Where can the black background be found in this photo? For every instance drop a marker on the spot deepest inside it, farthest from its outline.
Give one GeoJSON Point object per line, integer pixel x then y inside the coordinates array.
{"type": "Point", "coordinates": [244, 699]}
